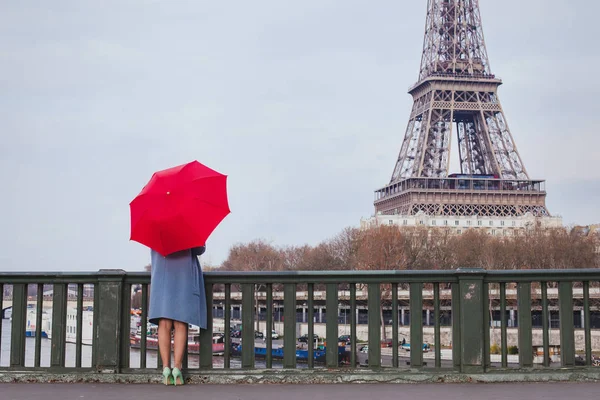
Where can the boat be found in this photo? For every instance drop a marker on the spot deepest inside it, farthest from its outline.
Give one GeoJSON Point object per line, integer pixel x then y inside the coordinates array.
{"type": "Point", "coordinates": [87, 326]}
{"type": "Point", "coordinates": [31, 328]}
{"type": "Point", "coordinates": [319, 354]}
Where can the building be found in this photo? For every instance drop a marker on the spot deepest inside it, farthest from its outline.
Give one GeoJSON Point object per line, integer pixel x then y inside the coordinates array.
{"type": "Point", "coordinates": [458, 224]}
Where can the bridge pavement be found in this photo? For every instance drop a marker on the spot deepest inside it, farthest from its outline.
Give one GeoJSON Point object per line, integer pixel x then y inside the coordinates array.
{"type": "Point", "coordinates": [529, 391]}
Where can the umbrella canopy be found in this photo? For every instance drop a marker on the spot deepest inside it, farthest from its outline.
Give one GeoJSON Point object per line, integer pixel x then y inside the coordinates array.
{"type": "Point", "coordinates": [179, 208]}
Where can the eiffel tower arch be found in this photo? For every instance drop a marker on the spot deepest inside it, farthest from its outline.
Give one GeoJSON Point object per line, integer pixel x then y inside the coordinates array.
{"type": "Point", "coordinates": [456, 98]}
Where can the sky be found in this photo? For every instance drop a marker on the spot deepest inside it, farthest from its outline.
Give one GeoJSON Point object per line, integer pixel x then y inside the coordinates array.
{"type": "Point", "coordinates": [302, 104]}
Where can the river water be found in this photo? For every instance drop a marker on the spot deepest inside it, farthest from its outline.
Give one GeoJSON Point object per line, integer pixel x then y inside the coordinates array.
{"type": "Point", "coordinates": [86, 354]}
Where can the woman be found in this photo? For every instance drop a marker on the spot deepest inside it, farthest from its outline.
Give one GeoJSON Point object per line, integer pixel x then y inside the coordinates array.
{"type": "Point", "coordinates": [177, 298]}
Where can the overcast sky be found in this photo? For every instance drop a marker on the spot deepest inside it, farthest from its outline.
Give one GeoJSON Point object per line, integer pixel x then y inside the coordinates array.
{"type": "Point", "coordinates": [303, 104]}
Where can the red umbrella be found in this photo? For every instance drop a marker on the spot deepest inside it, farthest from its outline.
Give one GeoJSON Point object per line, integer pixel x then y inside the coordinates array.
{"type": "Point", "coordinates": [179, 208]}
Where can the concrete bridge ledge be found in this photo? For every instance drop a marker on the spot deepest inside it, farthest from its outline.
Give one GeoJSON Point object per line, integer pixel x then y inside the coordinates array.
{"type": "Point", "coordinates": [312, 377]}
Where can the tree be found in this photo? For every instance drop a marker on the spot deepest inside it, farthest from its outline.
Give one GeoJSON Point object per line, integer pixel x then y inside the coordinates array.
{"type": "Point", "coordinates": [381, 248]}
{"type": "Point", "coordinates": [257, 255]}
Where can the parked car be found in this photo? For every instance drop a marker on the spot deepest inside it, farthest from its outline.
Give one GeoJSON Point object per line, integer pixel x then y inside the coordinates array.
{"type": "Point", "coordinates": [304, 338]}
{"type": "Point", "coordinates": [274, 334]}
{"type": "Point", "coordinates": [426, 347]}
{"type": "Point", "coordinates": [237, 333]}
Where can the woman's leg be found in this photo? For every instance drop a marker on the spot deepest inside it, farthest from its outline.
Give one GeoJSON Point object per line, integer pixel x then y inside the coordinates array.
{"type": "Point", "coordinates": [181, 330]}
{"type": "Point", "coordinates": [164, 340]}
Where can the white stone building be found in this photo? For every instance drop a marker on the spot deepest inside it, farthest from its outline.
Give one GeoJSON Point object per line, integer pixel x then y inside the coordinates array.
{"type": "Point", "coordinates": [496, 226]}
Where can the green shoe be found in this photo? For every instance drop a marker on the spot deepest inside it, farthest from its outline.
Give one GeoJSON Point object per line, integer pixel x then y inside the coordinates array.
{"type": "Point", "coordinates": [168, 378]}
{"type": "Point", "coordinates": [177, 374]}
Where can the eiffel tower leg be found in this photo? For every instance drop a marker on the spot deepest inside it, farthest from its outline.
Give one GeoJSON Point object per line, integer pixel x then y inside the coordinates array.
{"type": "Point", "coordinates": [472, 152]}
{"type": "Point", "coordinates": [435, 148]}
{"type": "Point", "coordinates": [407, 151]}
{"type": "Point", "coordinates": [511, 148]}
{"type": "Point", "coordinates": [485, 144]}
{"type": "Point", "coordinates": [503, 147]}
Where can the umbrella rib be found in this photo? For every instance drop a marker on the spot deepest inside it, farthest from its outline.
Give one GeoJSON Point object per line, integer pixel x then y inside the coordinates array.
{"type": "Point", "coordinates": [209, 203]}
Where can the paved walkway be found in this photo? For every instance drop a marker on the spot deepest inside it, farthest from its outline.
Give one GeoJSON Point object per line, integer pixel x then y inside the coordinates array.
{"type": "Point", "coordinates": [529, 391]}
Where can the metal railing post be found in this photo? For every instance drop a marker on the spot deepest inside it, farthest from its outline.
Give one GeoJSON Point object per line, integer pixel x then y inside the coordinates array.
{"type": "Point", "coordinates": [331, 326]}
{"type": "Point", "coordinates": [289, 326]}
{"type": "Point", "coordinates": [456, 333]}
{"type": "Point", "coordinates": [416, 325]}
{"type": "Point", "coordinates": [206, 335]}
{"type": "Point", "coordinates": [59, 325]}
{"type": "Point", "coordinates": [567, 336]}
{"type": "Point", "coordinates": [374, 304]}
{"type": "Point", "coordinates": [525, 326]}
{"type": "Point", "coordinates": [108, 331]}
{"type": "Point", "coordinates": [19, 322]}
{"type": "Point", "coordinates": [473, 309]}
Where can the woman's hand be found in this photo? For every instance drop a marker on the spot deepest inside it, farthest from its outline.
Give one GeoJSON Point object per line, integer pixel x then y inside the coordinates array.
{"type": "Point", "coordinates": [198, 251]}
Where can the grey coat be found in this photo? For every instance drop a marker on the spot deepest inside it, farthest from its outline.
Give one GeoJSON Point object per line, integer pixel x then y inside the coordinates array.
{"type": "Point", "coordinates": [177, 288]}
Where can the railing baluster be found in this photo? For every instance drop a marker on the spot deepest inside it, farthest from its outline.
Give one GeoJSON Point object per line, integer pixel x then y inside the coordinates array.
{"type": "Point", "coordinates": [353, 345]}
{"type": "Point", "coordinates": [503, 337]}
{"type": "Point", "coordinates": [374, 304]}
{"type": "Point", "coordinates": [545, 325]}
{"type": "Point", "coordinates": [416, 325]}
{"type": "Point", "coordinates": [19, 324]}
{"type": "Point", "coordinates": [395, 325]}
{"type": "Point", "coordinates": [186, 350]}
{"type": "Point", "coordinates": [247, 325]}
{"type": "Point", "coordinates": [125, 341]}
{"type": "Point", "coordinates": [206, 335]}
{"type": "Point", "coordinates": [436, 329]}
{"type": "Point", "coordinates": [311, 326]}
{"type": "Point", "coordinates": [289, 325]}
{"type": "Point", "coordinates": [159, 363]}
{"type": "Point", "coordinates": [525, 333]}
{"type": "Point", "coordinates": [567, 336]}
{"type": "Point", "coordinates": [95, 315]}
{"type": "Point", "coordinates": [269, 326]}
{"type": "Point", "coordinates": [331, 327]}
{"type": "Point", "coordinates": [79, 334]}
{"type": "Point", "coordinates": [227, 352]}
{"type": "Point", "coordinates": [39, 309]}
{"type": "Point", "coordinates": [1, 315]}
{"type": "Point", "coordinates": [59, 325]}
{"type": "Point", "coordinates": [486, 325]}
{"type": "Point", "coordinates": [144, 327]}
{"type": "Point", "coordinates": [586, 323]}
{"type": "Point", "coordinates": [456, 339]}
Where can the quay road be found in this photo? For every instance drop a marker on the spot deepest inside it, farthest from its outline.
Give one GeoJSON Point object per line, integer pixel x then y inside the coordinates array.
{"type": "Point", "coordinates": [529, 391]}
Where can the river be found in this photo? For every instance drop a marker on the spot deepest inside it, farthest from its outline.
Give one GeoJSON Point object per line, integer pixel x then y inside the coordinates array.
{"type": "Point", "coordinates": [86, 354]}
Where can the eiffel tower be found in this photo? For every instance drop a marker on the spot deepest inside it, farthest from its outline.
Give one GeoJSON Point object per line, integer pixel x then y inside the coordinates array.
{"type": "Point", "coordinates": [456, 95]}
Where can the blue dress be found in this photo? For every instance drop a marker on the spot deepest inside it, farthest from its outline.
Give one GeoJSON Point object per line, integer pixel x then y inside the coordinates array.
{"type": "Point", "coordinates": [177, 288]}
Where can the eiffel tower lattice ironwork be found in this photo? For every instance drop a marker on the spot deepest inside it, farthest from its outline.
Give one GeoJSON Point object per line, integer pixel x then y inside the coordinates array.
{"type": "Point", "coordinates": [456, 95]}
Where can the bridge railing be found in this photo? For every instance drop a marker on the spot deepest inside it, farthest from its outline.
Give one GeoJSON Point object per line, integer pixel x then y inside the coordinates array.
{"type": "Point", "coordinates": [475, 295]}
